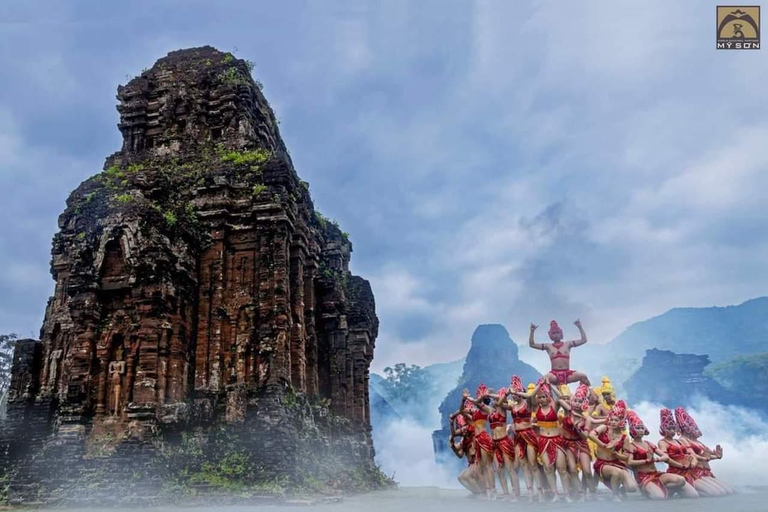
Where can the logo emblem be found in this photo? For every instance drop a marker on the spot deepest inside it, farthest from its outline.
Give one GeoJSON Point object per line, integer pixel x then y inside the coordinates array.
{"type": "Point", "coordinates": [738, 27]}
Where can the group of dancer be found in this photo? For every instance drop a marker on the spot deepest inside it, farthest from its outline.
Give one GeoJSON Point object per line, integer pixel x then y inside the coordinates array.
{"type": "Point", "coordinates": [585, 437]}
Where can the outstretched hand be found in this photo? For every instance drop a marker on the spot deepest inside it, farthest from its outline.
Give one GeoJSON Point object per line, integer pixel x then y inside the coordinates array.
{"type": "Point", "coordinates": [533, 327]}
{"type": "Point", "coordinates": [577, 323]}
{"type": "Point", "coordinates": [465, 393]}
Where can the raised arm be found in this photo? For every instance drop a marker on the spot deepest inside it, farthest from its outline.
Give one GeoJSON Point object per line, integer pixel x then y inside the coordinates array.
{"type": "Point", "coordinates": [533, 392]}
{"type": "Point", "coordinates": [531, 342]}
{"type": "Point", "coordinates": [479, 402]}
{"type": "Point", "coordinates": [583, 339]}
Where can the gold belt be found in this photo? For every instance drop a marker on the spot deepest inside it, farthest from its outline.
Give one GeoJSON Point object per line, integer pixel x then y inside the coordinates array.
{"type": "Point", "coordinates": [547, 424]}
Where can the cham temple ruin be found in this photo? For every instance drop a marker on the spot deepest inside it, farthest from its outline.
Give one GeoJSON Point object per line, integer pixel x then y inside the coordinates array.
{"type": "Point", "coordinates": [203, 312]}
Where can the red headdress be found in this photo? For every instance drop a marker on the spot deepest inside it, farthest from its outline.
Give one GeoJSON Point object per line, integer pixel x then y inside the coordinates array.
{"type": "Point", "coordinates": [502, 392]}
{"type": "Point", "coordinates": [517, 384]}
{"type": "Point", "coordinates": [553, 328]}
{"type": "Point", "coordinates": [686, 423]}
{"type": "Point", "coordinates": [582, 393]}
{"type": "Point", "coordinates": [544, 387]}
{"type": "Point", "coordinates": [636, 425]}
{"type": "Point", "coordinates": [481, 390]}
{"type": "Point", "coordinates": [619, 411]}
{"type": "Point", "coordinates": [667, 421]}
{"type": "Point", "coordinates": [469, 406]}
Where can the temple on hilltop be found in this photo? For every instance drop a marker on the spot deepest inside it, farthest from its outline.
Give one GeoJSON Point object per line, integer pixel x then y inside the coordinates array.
{"type": "Point", "coordinates": [196, 286]}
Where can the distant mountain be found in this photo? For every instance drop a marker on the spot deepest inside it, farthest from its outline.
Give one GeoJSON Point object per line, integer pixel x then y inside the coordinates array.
{"type": "Point", "coordinates": [674, 380]}
{"type": "Point", "coordinates": [742, 374]}
{"type": "Point", "coordinates": [492, 360]}
{"type": "Point", "coordinates": [720, 332]}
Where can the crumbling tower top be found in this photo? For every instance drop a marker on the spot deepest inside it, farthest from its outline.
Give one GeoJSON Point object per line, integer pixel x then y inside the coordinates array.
{"type": "Point", "coordinates": [191, 97]}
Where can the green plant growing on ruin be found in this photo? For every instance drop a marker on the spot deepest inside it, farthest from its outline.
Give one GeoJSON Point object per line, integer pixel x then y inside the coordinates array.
{"type": "Point", "coordinates": [258, 189]}
{"type": "Point", "coordinates": [134, 168]}
{"type": "Point", "coordinates": [232, 77]}
{"type": "Point", "coordinates": [304, 185]}
{"type": "Point", "coordinates": [88, 198]}
{"type": "Point", "coordinates": [291, 400]}
{"type": "Point", "coordinates": [5, 485]}
{"type": "Point", "coordinates": [124, 198]}
{"type": "Point", "coordinates": [321, 219]}
{"type": "Point", "coordinates": [250, 65]}
{"type": "Point", "coordinates": [113, 176]}
{"type": "Point", "coordinates": [80, 236]}
{"type": "Point", "coordinates": [345, 236]}
{"type": "Point", "coordinates": [114, 172]}
{"type": "Point", "coordinates": [170, 218]}
{"type": "Point", "coordinates": [228, 57]}
{"type": "Point", "coordinates": [276, 198]}
{"type": "Point", "coordinates": [252, 157]}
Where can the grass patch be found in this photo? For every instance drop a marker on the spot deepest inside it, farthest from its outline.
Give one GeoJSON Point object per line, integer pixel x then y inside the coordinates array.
{"type": "Point", "coordinates": [258, 189]}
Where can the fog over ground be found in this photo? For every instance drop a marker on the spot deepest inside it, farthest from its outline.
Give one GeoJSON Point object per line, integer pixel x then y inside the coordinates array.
{"type": "Point", "coordinates": [425, 499]}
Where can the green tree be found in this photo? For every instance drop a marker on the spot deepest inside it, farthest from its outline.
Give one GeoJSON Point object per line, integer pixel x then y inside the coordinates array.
{"type": "Point", "coordinates": [406, 383]}
{"type": "Point", "coordinates": [7, 343]}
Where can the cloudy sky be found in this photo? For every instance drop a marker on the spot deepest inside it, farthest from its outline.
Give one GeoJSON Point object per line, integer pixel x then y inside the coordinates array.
{"type": "Point", "coordinates": [494, 161]}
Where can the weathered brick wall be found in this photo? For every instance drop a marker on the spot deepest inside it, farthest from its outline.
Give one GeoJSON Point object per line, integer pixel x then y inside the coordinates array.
{"type": "Point", "coordinates": [196, 286]}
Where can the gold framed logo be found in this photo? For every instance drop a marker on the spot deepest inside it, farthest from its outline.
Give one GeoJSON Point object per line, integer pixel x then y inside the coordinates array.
{"type": "Point", "coordinates": [738, 27]}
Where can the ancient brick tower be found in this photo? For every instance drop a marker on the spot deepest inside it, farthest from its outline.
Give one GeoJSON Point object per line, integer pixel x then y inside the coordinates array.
{"type": "Point", "coordinates": [195, 282]}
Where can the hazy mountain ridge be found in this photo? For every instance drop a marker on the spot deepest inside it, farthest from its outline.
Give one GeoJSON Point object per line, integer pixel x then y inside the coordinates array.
{"type": "Point", "coordinates": [719, 332]}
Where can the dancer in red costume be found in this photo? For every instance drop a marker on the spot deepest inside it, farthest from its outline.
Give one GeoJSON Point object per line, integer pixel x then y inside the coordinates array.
{"type": "Point", "coordinates": [575, 428]}
{"type": "Point", "coordinates": [682, 459]}
{"type": "Point", "coordinates": [642, 457]}
{"type": "Point", "coordinates": [504, 447]}
{"type": "Point", "coordinates": [612, 444]}
{"type": "Point", "coordinates": [551, 446]}
{"type": "Point", "coordinates": [560, 354]}
{"type": "Point", "coordinates": [483, 442]}
{"type": "Point", "coordinates": [680, 456]}
{"type": "Point", "coordinates": [689, 435]}
{"type": "Point", "coordinates": [461, 427]}
{"type": "Point", "coordinates": [526, 440]}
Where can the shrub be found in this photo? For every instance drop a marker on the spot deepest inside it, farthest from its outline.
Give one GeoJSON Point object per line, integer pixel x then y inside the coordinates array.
{"type": "Point", "coordinates": [170, 219]}
{"type": "Point", "coordinates": [244, 157]}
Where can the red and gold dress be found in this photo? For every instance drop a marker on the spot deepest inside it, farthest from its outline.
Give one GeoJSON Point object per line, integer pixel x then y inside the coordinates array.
{"type": "Point", "coordinates": [503, 446]}
{"type": "Point", "coordinates": [524, 437]}
{"type": "Point", "coordinates": [549, 444]}
{"type": "Point", "coordinates": [483, 440]}
{"type": "Point", "coordinates": [602, 463]}
{"type": "Point", "coordinates": [573, 441]}
{"type": "Point", "coordinates": [679, 453]}
{"type": "Point", "coordinates": [646, 478]}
